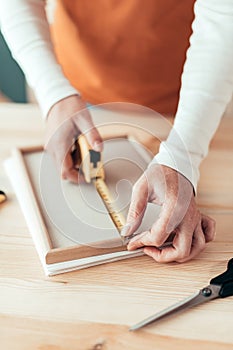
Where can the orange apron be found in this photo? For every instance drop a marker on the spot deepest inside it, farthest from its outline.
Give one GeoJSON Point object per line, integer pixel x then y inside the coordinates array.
{"type": "Point", "coordinates": [124, 50]}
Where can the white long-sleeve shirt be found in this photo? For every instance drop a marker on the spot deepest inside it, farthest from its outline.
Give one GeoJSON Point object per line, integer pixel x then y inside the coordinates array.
{"type": "Point", "coordinates": [206, 90]}
{"type": "Point", "coordinates": [207, 79]}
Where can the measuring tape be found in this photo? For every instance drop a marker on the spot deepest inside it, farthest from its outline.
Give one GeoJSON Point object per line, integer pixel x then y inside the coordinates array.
{"type": "Point", "coordinates": [93, 170]}
{"type": "Point", "coordinates": [105, 194]}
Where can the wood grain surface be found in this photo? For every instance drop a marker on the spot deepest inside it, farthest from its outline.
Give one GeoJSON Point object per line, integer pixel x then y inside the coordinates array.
{"type": "Point", "coordinates": [92, 309]}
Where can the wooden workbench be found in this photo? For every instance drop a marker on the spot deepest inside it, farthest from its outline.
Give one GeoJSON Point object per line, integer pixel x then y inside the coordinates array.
{"type": "Point", "coordinates": [93, 308]}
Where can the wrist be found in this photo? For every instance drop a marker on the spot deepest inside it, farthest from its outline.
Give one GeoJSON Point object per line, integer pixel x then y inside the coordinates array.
{"type": "Point", "coordinates": [66, 107]}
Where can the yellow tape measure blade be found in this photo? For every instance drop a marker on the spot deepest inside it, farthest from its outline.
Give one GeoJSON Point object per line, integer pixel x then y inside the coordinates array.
{"type": "Point", "coordinates": [105, 194]}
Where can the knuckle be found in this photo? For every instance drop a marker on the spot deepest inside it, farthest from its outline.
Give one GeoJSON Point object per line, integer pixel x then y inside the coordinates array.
{"type": "Point", "coordinates": [157, 241]}
{"type": "Point", "coordinates": [212, 220]}
{"type": "Point", "coordinates": [209, 229]}
{"type": "Point", "coordinates": [183, 255]}
{"type": "Point", "coordinates": [140, 242]}
{"type": "Point", "coordinates": [160, 259]}
{"type": "Point", "coordinates": [158, 237]}
{"type": "Point", "coordinates": [213, 224]}
{"type": "Point", "coordinates": [148, 240]}
{"type": "Point", "coordinates": [212, 235]}
{"type": "Point", "coordinates": [201, 244]}
{"type": "Point", "coordinates": [135, 212]}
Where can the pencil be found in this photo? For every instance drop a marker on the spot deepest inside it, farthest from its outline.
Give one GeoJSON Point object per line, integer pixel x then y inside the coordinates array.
{"type": "Point", "coordinates": [2, 196]}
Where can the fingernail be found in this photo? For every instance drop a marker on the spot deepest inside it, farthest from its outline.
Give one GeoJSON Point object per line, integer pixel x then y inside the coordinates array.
{"type": "Point", "coordinates": [98, 146]}
{"type": "Point", "coordinates": [126, 230]}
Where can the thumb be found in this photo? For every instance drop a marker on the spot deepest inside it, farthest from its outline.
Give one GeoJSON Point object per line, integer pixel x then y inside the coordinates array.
{"type": "Point", "coordinates": [157, 235]}
{"type": "Point", "coordinates": [86, 126]}
{"type": "Point", "coordinates": [137, 207]}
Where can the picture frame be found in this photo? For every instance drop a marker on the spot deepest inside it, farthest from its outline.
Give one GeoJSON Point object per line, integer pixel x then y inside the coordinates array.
{"type": "Point", "coordinates": [58, 259]}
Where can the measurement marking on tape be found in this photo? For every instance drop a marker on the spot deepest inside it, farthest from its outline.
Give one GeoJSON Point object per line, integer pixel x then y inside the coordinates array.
{"type": "Point", "coordinates": [104, 193]}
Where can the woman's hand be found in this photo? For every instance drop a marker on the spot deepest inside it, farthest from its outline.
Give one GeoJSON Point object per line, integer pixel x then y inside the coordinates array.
{"type": "Point", "coordinates": [67, 119]}
{"type": "Point", "coordinates": [179, 215]}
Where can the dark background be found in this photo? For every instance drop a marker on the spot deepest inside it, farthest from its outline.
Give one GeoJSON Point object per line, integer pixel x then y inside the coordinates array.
{"type": "Point", "coordinates": [12, 80]}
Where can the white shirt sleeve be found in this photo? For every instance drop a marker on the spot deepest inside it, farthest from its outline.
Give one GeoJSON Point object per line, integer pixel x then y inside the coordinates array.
{"type": "Point", "coordinates": [25, 27]}
{"type": "Point", "coordinates": [207, 88]}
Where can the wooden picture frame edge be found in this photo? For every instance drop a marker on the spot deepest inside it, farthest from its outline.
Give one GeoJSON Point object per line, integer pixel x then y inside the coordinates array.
{"type": "Point", "coordinates": [48, 254]}
{"type": "Point", "coordinates": [39, 234]}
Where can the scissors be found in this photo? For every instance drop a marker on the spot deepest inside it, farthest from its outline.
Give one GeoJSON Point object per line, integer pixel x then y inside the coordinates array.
{"type": "Point", "coordinates": [220, 287]}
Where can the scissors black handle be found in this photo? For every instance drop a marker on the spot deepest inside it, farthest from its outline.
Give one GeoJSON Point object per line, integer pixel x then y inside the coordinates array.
{"type": "Point", "coordinates": [225, 280]}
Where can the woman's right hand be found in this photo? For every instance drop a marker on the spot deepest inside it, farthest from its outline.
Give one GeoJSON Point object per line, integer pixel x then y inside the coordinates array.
{"type": "Point", "coordinates": [66, 120]}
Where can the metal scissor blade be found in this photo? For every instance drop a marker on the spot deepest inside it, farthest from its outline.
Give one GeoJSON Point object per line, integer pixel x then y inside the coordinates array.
{"type": "Point", "coordinates": [208, 293]}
